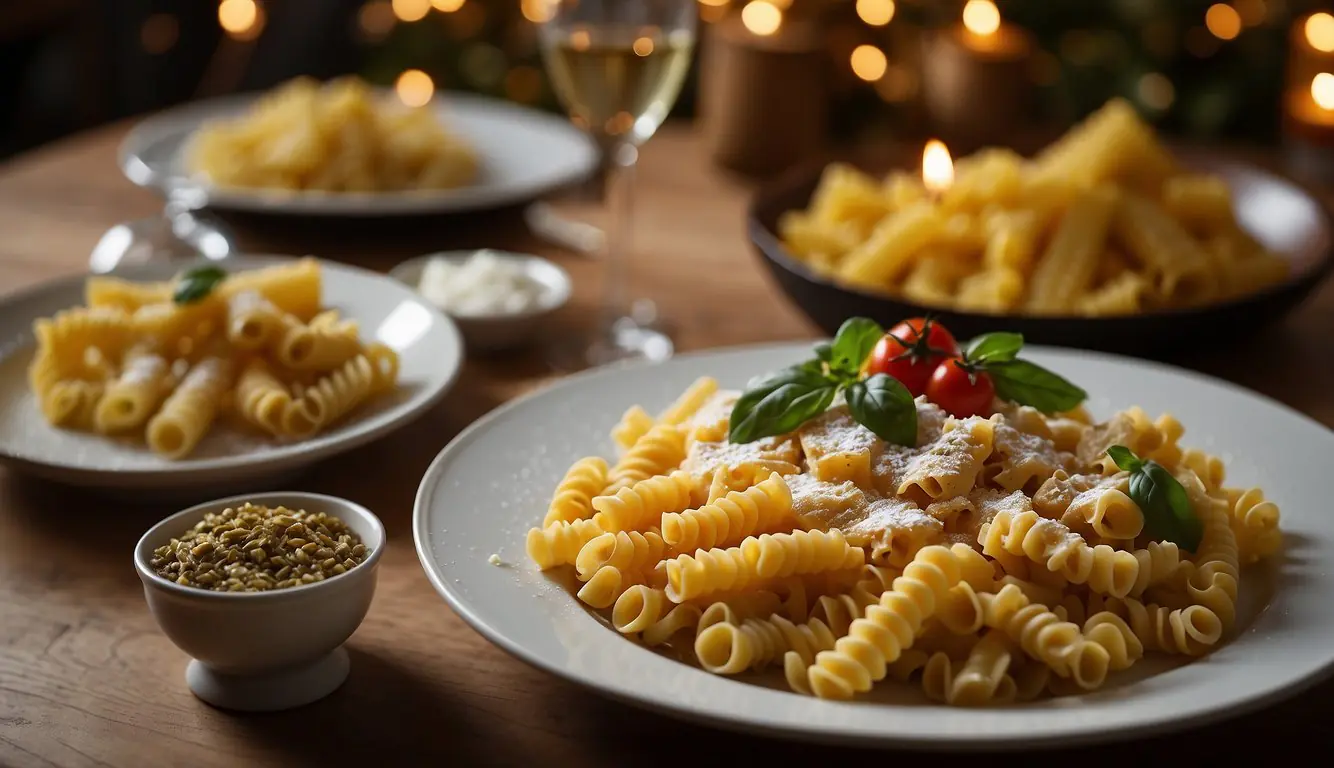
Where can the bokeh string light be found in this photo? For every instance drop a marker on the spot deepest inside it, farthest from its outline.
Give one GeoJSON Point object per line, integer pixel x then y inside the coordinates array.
{"type": "Point", "coordinates": [877, 13]}
{"type": "Point", "coordinates": [414, 88]}
{"type": "Point", "coordinates": [241, 19]}
{"type": "Point", "coordinates": [869, 63]}
{"type": "Point", "coordinates": [411, 10]}
{"type": "Point", "coordinates": [1322, 90]}
{"type": "Point", "coordinates": [1223, 20]}
{"type": "Point", "coordinates": [762, 17]}
{"type": "Point", "coordinates": [1319, 32]}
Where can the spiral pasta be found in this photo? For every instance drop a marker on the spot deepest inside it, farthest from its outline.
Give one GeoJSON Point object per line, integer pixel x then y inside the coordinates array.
{"type": "Point", "coordinates": [889, 627]}
{"type": "Point", "coordinates": [118, 366]}
{"type": "Point", "coordinates": [634, 424]}
{"type": "Point", "coordinates": [330, 398]}
{"type": "Point", "coordinates": [656, 453]}
{"type": "Point", "coordinates": [574, 496]}
{"type": "Point", "coordinates": [727, 649]}
{"type": "Point", "coordinates": [726, 521]}
{"type": "Point", "coordinates": [1000, 559]}
{"type": "Point", "coordinates": [1254, 523]}
{"type": "Point", "coordinates": [1048, 542]}
{"type": "Point", "coordinates": [261, 399]}
{"type": "Point", "coordinates": [982, 680]}
{"type": "Point", "coordinates": [560, 542]}
{"type": "Point", "coordinates": [644, 503]}
{"type": "Point", "coordinates": [625, 551]}
{"type": "Point", "coordinates": [763, 557]}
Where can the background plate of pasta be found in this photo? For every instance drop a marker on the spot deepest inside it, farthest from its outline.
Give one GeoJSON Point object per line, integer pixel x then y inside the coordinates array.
{"type": "Point", "coordinates": [1016, 577]}
{"type": "Point", "coordinates": [345, 148]}
{"type": "Point", "coordinates": [213, 376]}
{"type": "Point", "coordinates": [1104, 239]}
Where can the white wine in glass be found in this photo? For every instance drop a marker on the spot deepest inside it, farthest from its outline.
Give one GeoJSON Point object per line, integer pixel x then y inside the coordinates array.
{"type": "Point", "coordinates": [618, 67]}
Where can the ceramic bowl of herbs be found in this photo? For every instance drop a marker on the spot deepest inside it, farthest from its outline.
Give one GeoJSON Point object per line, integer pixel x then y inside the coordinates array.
{"type": "Point", "coordinates": [261, 591]}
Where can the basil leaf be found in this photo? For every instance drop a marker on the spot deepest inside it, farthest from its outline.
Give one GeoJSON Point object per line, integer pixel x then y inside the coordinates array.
{"type": "Point", "coordinates": [197, 283]}
{"type": "Point", "coordinates": [1025, 383]}
{"type": "Point", "coordinates": [824, 351]}
{"type": "Point", "coordinates": [883, 405]}
{"type": "Point", "coordinates": [854, 341]}
{"type": "Point", "coordinates": [995, 347]}
{"type": "Point", "coordinates": [779, 403]}
{"type": "Point", "coordinates": [1125, 458]}
{"type": "Point", "coordinates": [1166, 506]}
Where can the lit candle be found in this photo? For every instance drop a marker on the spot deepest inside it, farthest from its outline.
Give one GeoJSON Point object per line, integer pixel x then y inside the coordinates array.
{"type": "Point", "coordinates": [1308, 103]}
{"type": "Point", "coordinates": [937, 168]}
{"type": "Point", "coordinates": [976, 84]}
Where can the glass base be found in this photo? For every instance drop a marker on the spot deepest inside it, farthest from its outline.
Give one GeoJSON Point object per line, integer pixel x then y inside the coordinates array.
{"type": "Point", "coordinates": [623, 340]}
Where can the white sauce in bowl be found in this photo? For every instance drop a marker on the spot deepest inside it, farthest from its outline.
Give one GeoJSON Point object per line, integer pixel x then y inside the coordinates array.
{"type": "Point", "coordinates": [482, 284]}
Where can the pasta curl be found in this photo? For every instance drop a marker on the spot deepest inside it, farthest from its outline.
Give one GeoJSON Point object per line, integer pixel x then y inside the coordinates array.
{"type": "Point", "coordinates": [726, 521]}
{"type": "Point", "coordinates": [573, 499]}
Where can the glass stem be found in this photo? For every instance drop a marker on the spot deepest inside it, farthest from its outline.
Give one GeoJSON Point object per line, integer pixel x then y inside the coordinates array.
{"type": "Point", "coordinates": [620, 232]}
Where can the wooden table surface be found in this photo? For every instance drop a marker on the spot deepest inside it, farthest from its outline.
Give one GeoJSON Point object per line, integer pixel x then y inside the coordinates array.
{"type": "Point", "coordinates": [86, 678]}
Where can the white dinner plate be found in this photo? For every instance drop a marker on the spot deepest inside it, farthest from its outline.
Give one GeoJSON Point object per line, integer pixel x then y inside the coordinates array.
{"type": "Point", "coordinates": [523, 154]}
{"type": "Point", "coordinates": [225, 461]}
{"type": "Point", "coordinates": [493, 482]}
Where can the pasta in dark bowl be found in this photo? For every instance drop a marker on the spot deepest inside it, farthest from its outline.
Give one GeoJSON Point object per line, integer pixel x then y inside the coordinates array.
{"type": "Point", "coordinates": [1104, 240]}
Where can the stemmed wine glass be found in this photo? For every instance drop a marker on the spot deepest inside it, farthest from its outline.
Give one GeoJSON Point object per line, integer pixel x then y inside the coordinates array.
{"type": "Point", "coordinates": [618, 67]}
{"type": "Point", "coordinates": [181, 232]}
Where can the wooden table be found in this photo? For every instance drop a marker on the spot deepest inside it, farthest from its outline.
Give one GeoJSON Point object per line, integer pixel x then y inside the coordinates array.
{"type": "Point", "coordinates": [86, 678]}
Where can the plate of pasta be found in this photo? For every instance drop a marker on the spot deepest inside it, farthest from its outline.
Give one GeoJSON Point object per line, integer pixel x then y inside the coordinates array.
{"type": "Point", "coordinates": [213, 376]}
{"type": "Point", "coordinates": [343, 147]}
{"type": "Point", "coordinates": [818, 544]}
{"type": "Point", "coordinates": [1106, 239]}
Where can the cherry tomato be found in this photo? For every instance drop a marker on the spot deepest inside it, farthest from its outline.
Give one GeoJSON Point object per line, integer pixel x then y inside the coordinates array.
{"type": "Point", "coordinates": [960, 392]}
{"type": "Point", "coordinates": [909, 355]}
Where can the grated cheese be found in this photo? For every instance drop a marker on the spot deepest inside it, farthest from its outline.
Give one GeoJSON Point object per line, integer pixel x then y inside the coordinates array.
{"type": "Point", "coordinates": [482, 284]}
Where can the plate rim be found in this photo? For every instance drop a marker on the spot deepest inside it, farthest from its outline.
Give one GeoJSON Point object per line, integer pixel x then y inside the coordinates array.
{"type": "Point", "coordinates": [768, 244]}
{"type": "Point", "coordinates": [160, 125]}
{"type": "Point", "coordinates": [288, 455]}
{"type": "Point", "coordinates": [961, 743]}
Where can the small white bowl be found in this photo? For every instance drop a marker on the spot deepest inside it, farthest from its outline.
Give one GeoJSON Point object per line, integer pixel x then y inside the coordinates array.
{"type": "Point", "coordinates": [495, 332]}
{"type": "Point", "coordinates": [264, 651]}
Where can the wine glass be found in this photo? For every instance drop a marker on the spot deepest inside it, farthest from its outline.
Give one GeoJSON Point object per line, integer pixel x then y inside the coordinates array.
{"type": "Point", "coordinates": [618, 67]}
{"type": "Point", "coordinates": [181, 232]}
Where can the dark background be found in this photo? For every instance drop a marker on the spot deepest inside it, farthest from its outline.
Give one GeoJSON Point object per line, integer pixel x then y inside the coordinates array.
{"type": "Point", "coordinates": [70, 64]}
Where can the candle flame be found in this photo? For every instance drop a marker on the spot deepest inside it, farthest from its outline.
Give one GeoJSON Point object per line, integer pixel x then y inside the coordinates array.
{"type": "Point", "coordinates": [981, 17]}
{"type": "Point", "coordinates": [1322, 90]}
{"type": "Point", "coordinates": [937, 167]}
{"type": "Point", "coordinates": [762, 17]}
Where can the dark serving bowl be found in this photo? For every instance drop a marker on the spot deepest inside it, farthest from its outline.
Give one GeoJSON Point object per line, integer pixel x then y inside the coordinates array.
{"type": "Point", "coordinates": [1284, 216]}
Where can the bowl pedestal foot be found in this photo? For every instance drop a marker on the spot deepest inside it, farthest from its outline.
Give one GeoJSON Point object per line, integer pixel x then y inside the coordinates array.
{"type": "Point", "coordinates": [272, 691]}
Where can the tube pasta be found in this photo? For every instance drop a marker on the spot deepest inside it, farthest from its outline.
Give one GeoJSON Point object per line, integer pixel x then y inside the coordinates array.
{"type": "Point", "coordinates": [145, 380]}
{"type": "Point", "coordinates": [149, 360]}
{"type": "Point", "coordinates": [321, 345]}
{"type": "Point", "coordinates": [188, 412]}
{"type": "Point", "coordinates": [1103, 222]}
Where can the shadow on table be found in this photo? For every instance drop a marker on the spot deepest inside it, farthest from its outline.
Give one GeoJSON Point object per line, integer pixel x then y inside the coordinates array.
{"type": "Point", "coordinates": [378, 242]}
{"type": "Point", "coordinates": [383, 712]}
{"type": "Point", "coordinates": [619, 732]}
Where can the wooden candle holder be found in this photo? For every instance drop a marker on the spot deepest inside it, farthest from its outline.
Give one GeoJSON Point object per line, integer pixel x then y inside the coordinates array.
{"type": "Point", "coordinates": [763, 99]}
